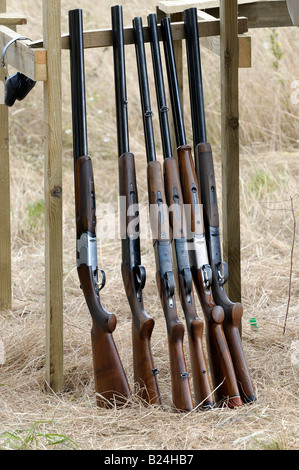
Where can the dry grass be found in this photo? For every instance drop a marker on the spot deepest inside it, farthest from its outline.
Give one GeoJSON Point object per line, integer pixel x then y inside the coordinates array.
{"type": "Point", "coordinates": [35, 417]}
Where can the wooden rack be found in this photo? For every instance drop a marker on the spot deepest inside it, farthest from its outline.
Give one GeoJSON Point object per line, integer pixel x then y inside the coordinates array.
{"type": "Point", "coordinates": [222, 29]}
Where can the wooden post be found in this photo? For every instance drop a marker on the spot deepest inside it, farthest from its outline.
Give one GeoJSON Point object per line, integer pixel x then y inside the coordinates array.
{"type": "Point", "coordinates": [53, 195]}
{"type": "Point", "coordinates": [230, 144]}
{"type": "Point", "coordinates": [5, 242]}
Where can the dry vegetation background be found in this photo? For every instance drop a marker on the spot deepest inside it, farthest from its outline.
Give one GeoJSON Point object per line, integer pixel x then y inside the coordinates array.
{"type": "Point", "coordinates": [33, 418]}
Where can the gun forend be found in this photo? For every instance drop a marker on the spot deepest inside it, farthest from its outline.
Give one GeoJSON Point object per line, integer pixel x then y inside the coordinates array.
{"type": "Point", "coordinates": [158, 207]}
{"type": "Point", "coordinates": [174, 198]}
{"type": "Point", "coordinates": [206, 179]}
{"type": "Point", "coordinates": [85, 195]}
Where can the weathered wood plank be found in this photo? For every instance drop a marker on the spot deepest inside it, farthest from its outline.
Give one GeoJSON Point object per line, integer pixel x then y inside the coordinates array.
{"type": "Point", "coordinates": [53, 196]}
{"type": "Point", "coordinates": [262, 14]}
{"type": "Point", "coordinates": [266, 14]}
{"type": "Point", "coordinates": [5, 227]}
{"type": "Point", "coordinates": [32, 62]}
{"type": "Point", "coordinates": [175, 6]}
{"type": "Point", "coordinates": [10, 19]}
{"type": "Point", "coordinates": [103, 37]}
{"type": "Point", "coordinates": [229, 60]}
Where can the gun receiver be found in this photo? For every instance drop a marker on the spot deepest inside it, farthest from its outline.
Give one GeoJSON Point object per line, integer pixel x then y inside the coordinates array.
{"type": "Point", "coordinates": [222, 371]}
{"type": "Point", "coordinates": [110, 379]}
{"type": "Point", "coordinates": [181, 392]}
{"type": "Point", "coordinates": [174, 197]}
{"type": "Point", "coordinates": [133, 273]}
{"type": "Point", "coordinates": [206, 180]}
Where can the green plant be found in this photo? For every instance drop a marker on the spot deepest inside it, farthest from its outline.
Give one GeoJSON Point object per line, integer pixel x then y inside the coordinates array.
{"type": "Point", "coordinates": [35, 213]}
{"type": "Point", "coordinates": [34, 438]}
{"type": "Point", "coordinates": [273, 444]}
{"type": "Point", "coordinates": [276, 48]}
{"type": "Point", "coordinates": [260, 180]}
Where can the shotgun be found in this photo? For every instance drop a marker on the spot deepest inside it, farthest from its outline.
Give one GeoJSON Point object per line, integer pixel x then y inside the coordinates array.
{"type": "Point", "coordinates": [202, 388]}
{"type": "Point", "coordinates": [110, 379]}
{"type": "Point", "coordinates": [206, 179]}
{"type": "Point", "coordinates": [181, 392]}
{"type": "Point", "coordinates": [222, 371]}
{"type": "Point", "coordinates": [133, 273]}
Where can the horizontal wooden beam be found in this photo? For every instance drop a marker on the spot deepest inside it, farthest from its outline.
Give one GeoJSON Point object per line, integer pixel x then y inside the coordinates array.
{"type": "Point", "coordinates": [267, 14]}
{"type": "Point", "coordinates": [12, 19]}
{"type": "Point", "coordinates": [169, 7]}
{"type": "Point", "coordinates": [262, 14]}
{"type": "Point", "coordinates": [31, 62]}
{"type": "Point", "coordinates": [103, 37]}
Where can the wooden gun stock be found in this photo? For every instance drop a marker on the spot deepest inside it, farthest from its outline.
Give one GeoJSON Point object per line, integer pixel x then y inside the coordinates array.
{"type": "Point", "coordinates": [145, 373]}
{"type": "Point", "coordinates": [233, 311]}
{"type": "Point", "coordinates": [202, 387]}
{"type": "Point", "coordinates": [181, 392]}
{"type": "Point", "coordinates": [110, 379]}
{"type": "Point", "coordinates": [223, 375]}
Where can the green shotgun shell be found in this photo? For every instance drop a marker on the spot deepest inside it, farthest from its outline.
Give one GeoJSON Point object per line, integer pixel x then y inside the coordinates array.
{"type": "Point", "coordinates": [253, 324]}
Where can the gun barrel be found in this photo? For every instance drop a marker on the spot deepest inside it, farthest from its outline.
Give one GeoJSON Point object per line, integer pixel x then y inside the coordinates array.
{"type": "Point", "coordinates": [78, 83]}
{"type": "Point", "coordinates": [178, 118]}
{"type": "Point", "coordinates": [195, 78]}
{"type": "Point", "coordinates": [144, 90]}
{"type": "Point", "coordinates": [120, 80]}
{"type": "Point", "coordinates": [160, 89]}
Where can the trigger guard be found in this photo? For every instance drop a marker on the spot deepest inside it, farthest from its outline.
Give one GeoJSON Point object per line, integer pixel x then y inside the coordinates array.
{"type": "Point", "coordinates": [187, 277]}
{"type": "Point", "coordinates": [170, 283]}
{"type": "Point", "coordinates": [103, 276]}
{"type": "Point", "coordinates": [140, 277]}
{"type": "Point", "coordinates": [222, 269]}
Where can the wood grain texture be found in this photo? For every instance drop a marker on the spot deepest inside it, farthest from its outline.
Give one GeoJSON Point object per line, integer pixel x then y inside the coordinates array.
{"type": "Point", "coordinates": [30, 61]}
{"type": "Point", "coordinates": [103, 37]}
{"type": "Point", "coordinates": [5, 244]}
{"type": "Point", "coordinates": [175, 6]}
{"type": "Point", "coordinates": [229, 60]}
{"type": "Point", "coordinates": [53, 196]}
